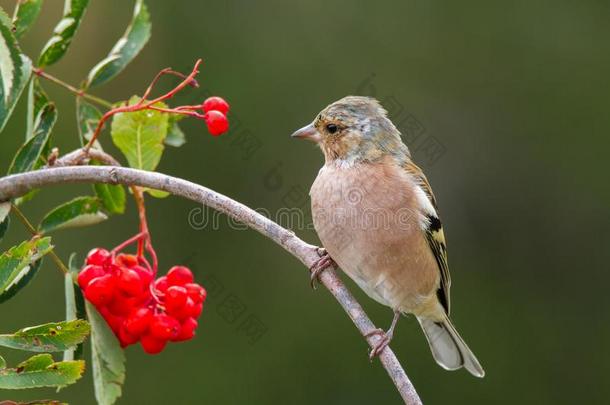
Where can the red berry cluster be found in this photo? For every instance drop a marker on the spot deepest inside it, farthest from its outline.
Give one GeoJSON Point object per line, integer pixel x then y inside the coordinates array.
{"type": "Point", "coordinates": [216, 109]}
{"type": "Point", "coordinates": [138, 308]}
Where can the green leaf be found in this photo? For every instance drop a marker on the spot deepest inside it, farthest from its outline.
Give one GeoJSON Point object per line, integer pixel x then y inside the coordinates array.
{"type": "Point", "coordinates": [41, 371]}
{"type": "Point", "coordinates": [4, 227]}
{"type": "Point", "coordinates": [5, 208]}
{"type": "Point", "coordinates": [15, 69]}
{"type": "Point", "coordinates": [50, 337]}
{"type": "Point", "coordinates": [82, 211]}
{"type": "Point", "coordinates": [26, 275]}
{"type": "Point", "coordinates": [75, 306]}
{"type": "Point", "coordinates": [87, 118]}
{"type": "Point", "coordinates": [140, 135]}
{"type": "Point", "coordinates": [126, 49]}
{"type": "Point", "coordinates": [37, 99]}
{"type": "Point", "coordinates": [63, 33]}
{"type": "Point", "coordinates": [107, 359]}
{"type": "Point", "coordinates": [111, 196]}
{"type": "Point", "coordinates": [30, 155]}
{"type": "Point", "coordinates": [2, 363]}
{"type": "Point", "coordinates": [157, 193]}
{"type": "Point", "coordinates": [26, 197]}
{"type": "Point", "coordinates": [175, 136]}
{"type": "Point", "coordinates": [15, 263]}
{"type": "Point", "coordinates": [26, 13]}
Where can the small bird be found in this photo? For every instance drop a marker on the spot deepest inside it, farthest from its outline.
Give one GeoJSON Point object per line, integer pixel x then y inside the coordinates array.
{"type": "Point", "coordinates": [378, 220]}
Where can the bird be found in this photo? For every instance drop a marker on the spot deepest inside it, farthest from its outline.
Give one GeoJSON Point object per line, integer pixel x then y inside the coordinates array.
{"type": "Point", "coordinates": [377, 218]}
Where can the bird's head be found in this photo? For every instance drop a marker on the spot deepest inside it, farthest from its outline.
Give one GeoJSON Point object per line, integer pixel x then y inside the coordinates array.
{"type": "Point", "coordinates": [354, 129]}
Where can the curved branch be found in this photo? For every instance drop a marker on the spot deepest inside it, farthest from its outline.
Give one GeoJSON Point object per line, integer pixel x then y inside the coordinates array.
{"type": "Point", "coordinates": [19, 184]}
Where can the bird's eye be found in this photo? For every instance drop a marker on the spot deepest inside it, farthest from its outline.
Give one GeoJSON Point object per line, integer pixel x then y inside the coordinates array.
{"type": "Point", "coordinates": [332, 128]}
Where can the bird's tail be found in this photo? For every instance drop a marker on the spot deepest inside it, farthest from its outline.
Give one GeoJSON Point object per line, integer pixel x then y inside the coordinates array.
{"type": "Point", "coordinates": [448, 348]}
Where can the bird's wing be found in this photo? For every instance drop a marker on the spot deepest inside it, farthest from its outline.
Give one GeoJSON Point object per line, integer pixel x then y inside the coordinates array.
{"type": "Point", "coordinates": [434, 232]}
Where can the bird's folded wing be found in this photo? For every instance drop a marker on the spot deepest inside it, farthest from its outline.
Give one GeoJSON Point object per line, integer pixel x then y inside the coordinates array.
{"type": "Point", "coordinates": [434, 234]}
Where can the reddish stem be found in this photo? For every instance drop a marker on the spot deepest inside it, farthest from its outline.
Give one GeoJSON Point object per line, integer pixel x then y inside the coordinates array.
{"type": "Point", "coordinates": [144, 104]}
{"type": "Point", "coordinates": [138, 196]}
{"type": "Point", "coordinates": [128, 242]}
{"type": "Point", "coordinates": [178, 111]}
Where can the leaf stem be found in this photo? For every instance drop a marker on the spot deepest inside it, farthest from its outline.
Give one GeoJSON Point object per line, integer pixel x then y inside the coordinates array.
{"type": "Point", "coordinates": [34, 232]}
{"type": "Point", "coordinates": [79, 92]}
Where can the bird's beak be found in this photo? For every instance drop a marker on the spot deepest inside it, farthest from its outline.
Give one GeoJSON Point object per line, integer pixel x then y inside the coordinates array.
{"type": "Point", "coordinates": [308, 132]}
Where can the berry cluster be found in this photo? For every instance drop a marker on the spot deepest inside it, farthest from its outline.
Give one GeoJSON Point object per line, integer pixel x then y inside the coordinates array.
{"type": "Point", "coordinates": [137, 307]}
{"type": "Point", "coordinates": [216, 109]}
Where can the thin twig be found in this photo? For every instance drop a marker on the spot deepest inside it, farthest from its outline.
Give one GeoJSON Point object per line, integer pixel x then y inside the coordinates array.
{"type": "Point", "coordinates": [19, 184]}
{"type": "Point", "coordinates": [79, 92]}
{"type": "Point", "coordinates": [26, 222]}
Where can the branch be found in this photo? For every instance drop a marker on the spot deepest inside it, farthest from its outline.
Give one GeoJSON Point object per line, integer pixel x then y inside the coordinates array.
{"type": "Point", "coordinates": [19, 184]}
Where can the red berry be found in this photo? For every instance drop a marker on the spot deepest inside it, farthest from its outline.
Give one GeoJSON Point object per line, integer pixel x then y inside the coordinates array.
{"type": "Point", "coordinates": [114, 321]}
{"type": "Point", "coordinates": [88, 273]}
{"type": "Point", "coordinates": [179, 275]}
{"type": "Point", "coordinates": [98, 256]}
{"type": "Point", "coordinates": [187, 330]}
{"type": "Point", "coordinates": [100, 290]}
{"type": "Point", "coordinates": [164, 327]}
{"type": "Point", "coordinates": [125, 338]}
{"type": "Point", "coordinates": [185, 311]}
{"type": "Point", "coordinates": [215, 104]}
{"type": "Point", "coordinates": [129, 282]}
{"type": "Point", "coordinates": [138, 320]}
{"type": "Point", "coordinates": [175, 297]}
{"type": "Point", "coordinates": [145, 275]}
{"type": "Point", "coordinates": [161, 284]}
{"type": "Point", "coordinates": [151, 344]}
{"type": "Point", "coordinates": [196, 292]}
{"type": "Point", "coordinates": [217, 122]}
{"type": "Point", "coordinates": [122, 305]}
{"type": "Point", "coordinates": [126, 260]}
{"type": "Point", "coordinates": [196, 310]}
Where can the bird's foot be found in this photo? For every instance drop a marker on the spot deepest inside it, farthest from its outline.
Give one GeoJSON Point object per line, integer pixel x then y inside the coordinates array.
{"type": "Point", "coordinates": [324, 262]}
{"type": "Point", "coordinates": [386, 338]}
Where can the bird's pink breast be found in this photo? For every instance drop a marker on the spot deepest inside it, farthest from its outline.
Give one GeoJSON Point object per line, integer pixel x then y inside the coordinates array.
{"type": "Point", "coordinates": [367, 217]}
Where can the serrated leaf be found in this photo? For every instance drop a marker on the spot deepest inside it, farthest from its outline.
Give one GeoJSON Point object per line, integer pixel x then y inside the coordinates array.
{"type": "Point", "coordinates": [63, 33]}
{"type": "Point", "coordinates": [107, 359]}
{"type": "Point", "coordinates": [175, 136]}
{"type": "Point", "coordinates": [75, 305]}
{"type": "Point", "coordinates": [30, 155]}
{"type": "Point", "coordinates": [5, 208]}
{"type": "Point", "coordinates": [24, 278]}
{"type": "Point", "coordinates": [140, 135]}
{"type": "Point", "coordinates": [14, 263]}
{"type": "Point", "coordinates": [87, 118]}
{"type": "Point", "coordinates": [82, 211]}
{"type": "Point", "coordinates": [37, 99]}
{"type": "Point", "coordinates": [36, 362]}
{"type": "Point", "coordinates": [50, 337]}
{"type": "Point", "coordinates": [15, 69]}
{"type": "Point", "coordinates": [26, 13]}
{"type": "Point", "coordinates": [126, 48]}
{"type": "Point", "coordinates": [41, 371]}
{"type": "Point", "coordinates": [4, 227]}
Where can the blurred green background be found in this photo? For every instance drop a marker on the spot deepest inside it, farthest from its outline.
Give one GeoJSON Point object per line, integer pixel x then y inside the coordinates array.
{"type": "Point", "coordinates": [515, 94]}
